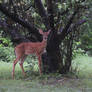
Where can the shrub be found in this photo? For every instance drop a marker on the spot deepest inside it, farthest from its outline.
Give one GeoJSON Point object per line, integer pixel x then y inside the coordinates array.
{"type": "Point", "coordinates": [4, 42]}
{"type": "Point", "coordinates": [6, 54]}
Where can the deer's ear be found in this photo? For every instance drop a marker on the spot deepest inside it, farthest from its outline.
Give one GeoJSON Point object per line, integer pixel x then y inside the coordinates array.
{"type": "Point", "coordinates": [40, 31]}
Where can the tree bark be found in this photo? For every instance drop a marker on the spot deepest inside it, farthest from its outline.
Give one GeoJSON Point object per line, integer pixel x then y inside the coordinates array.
{"type": "Point", "coordinates": [51, 61]}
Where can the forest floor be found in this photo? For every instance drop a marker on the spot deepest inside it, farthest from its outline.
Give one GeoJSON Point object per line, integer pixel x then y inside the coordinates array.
{"type": "Point", "coordinates": [81, 81]}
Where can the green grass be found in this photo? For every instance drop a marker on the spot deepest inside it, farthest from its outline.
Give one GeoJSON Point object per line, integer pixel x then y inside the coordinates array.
{"type": "Point", "coordinates": [25, 86]}
{"type": "Point", "coordinates": [83, 64]}
{"type": "Point", "coordinates": [33, 82]}
{"type": "Point", "coordinates": [6, 69]}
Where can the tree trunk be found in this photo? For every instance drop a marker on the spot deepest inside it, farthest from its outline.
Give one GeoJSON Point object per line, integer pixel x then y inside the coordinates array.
{"type": "Point", "coordinates": [57, 60]}
{"type": "Point", "coordinates": [51, 61]}
{"type": "Point", "coordinates": [67, 57]}
{"type": "Point", "coordinates": [52, 58]}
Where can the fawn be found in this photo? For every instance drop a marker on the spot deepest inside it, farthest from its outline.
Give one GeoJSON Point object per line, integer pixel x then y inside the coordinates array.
{"type": "Point", "coordinates": [26, 48]}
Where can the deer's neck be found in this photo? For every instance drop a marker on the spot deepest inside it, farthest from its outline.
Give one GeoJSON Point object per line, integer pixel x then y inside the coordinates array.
{"type": "Point", "coordinates": [44, 43]}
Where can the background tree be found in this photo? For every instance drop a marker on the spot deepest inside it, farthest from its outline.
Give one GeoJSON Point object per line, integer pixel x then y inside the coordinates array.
{"type": "Point", "coordinates": [23, 18]}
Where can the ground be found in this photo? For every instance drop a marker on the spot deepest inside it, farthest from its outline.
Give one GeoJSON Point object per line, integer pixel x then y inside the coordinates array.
{"type": "Point", "coordinates": [81, 81]}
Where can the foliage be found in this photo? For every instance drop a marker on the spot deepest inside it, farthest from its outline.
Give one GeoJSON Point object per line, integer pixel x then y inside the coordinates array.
{"type": "Point", "coordinates": [5, 42]}
{"type": "Point", "coordinates": [86, 40]}
{"type": "Point", "coordinates": [32, 62]}
{"type": "Point", "coordinates": [77, 50]}
{"type": "Point", "coordinates": [6, 54]}
{"type": "Point", "coordinates": [6, 49]}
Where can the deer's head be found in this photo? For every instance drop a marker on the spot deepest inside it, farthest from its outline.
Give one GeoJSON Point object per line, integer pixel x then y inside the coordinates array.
{"type": "Point", "coordinates": [44, 34]}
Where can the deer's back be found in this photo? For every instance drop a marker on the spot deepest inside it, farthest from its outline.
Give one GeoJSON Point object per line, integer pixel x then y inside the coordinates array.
{"type": "Point", "coordinates": [30, 48]}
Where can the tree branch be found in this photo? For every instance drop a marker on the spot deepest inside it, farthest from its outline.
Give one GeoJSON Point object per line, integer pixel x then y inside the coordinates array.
{"type": "Point", "coordinates": [50, 13]}
{"type": "Point", "coordinates": [42, 12]}
{"type": "Point", "coordinates": [19, 20]}
{"type": "Point", "coordinates": [77, 24]}
{"type": "Point", "coordinates": [64, 12]}
{"type": "Point", "coordinates": [73, 26]}
{"type": "Point", "coordinates": [64, 31]}
{"type": "Point", "coordinates": [16, 37]}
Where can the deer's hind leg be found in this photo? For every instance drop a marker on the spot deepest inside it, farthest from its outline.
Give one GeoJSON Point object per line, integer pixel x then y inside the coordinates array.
{"type": "Point", "coordinates": [14, 64]}
{"type": "Point", "coordinates": [21, 64]}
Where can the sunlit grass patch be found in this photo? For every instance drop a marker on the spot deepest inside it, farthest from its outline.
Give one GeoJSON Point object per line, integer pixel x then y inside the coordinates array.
{"type": "Point", "coordinates": [83, 65]}
{"type": "Point", "coordinates": [6, 70]}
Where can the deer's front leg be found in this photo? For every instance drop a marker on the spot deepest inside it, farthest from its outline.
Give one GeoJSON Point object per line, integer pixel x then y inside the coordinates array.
{"type": "Point", "coordinates": [39, 62]}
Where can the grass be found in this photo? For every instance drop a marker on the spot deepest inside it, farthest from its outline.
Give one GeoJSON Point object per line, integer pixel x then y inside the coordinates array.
{"type": "Point", "coordinates": [48, 83]}
{"type": "Point", "coordinates": [23, 86]}
{"type": "Point", "coordinates": [6, 69]}
{"type": "Point", "coordinates": [84, 66]}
